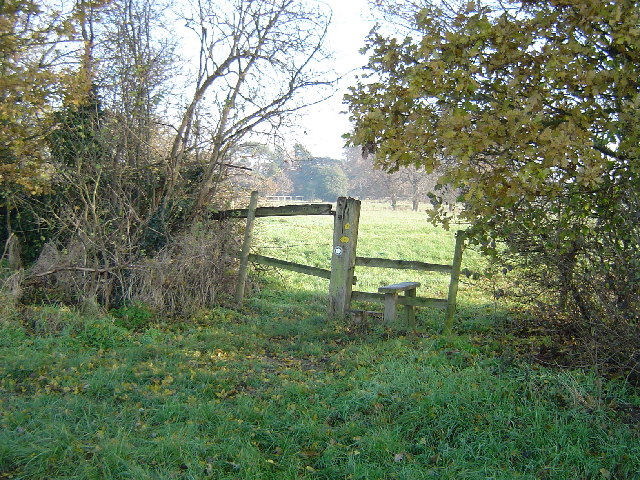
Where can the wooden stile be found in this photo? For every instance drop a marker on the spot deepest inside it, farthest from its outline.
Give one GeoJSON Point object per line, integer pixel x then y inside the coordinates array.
{"type": "Point", "coordinates": [415, 301]}
{"type": "Point", "coordinates": [411, 313]}
{"type": "Point", "coordinates": [344, 260]}
{"type": "Point", "coordinates": [391, 296]}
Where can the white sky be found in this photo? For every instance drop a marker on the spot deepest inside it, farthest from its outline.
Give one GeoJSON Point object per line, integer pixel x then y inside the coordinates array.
{"type": "Point", "coordinates": [323, 125]}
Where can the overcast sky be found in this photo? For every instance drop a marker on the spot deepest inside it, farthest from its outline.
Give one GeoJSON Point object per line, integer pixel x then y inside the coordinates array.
{"type": "Point", "coordinates": [323, 124]}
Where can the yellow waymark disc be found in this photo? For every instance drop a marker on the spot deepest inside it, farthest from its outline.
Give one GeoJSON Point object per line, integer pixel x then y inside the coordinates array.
{"type": "Point", "coordinates": [344, 239]}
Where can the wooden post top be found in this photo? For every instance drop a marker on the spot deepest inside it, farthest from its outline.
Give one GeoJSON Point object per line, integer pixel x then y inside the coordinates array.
{"type": "Point", "coordinates": [399, 287]}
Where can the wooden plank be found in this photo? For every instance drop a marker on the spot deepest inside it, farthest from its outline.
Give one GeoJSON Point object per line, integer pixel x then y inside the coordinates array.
{"type": "Point", "coordinates": [281, 211]}
{"type": "Point", "coordinates": [402, 264]}
{"type": "Point", "coordinates": [411, 313]}
{"type": "Point", "coordinates": [343, 258]}
{"type": "Point", "coordinates": [246, 245]}
{"type": "Point", "coordinates": [399, 287]}
{"type": "Point", "coordinates": [414, 301]}
{"type": "Point", "coordinates": [294, 267]}
{"type": "Point", "coordinates": [390, 307]}
{"type": "Point", "coordinates": [453, 284]}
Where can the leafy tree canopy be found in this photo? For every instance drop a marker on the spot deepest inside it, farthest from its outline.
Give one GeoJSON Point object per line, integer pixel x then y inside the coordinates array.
{"type": "Point", "coordinates": [526, 99]}
{"type": "Point", "coordinates": [534, 105]}
{"type": "Point", "coordinates": [36, 76]}
{"type": "Point", "coordinates": [25, 89]}
{"type": "Point", "coordinates": [320, 178]}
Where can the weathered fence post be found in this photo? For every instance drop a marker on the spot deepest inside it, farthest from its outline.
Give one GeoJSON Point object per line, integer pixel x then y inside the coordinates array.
{"type": "Point", "coordinates": [411, 312]}
{"type": "Point", "coordinates": [453, 284]}
{"type": "Point", "coordinates": [343, 258]}
{"type": "Point", "coordinates": [246, 245]}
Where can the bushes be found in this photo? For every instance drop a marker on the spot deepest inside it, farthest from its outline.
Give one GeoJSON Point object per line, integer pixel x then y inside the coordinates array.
{"type": "Point", "coordinates": [583, 255]}
{"type": "Point", "coordinates": [109, 229]}
{"type": "Point", "coordinates": [194, 271]}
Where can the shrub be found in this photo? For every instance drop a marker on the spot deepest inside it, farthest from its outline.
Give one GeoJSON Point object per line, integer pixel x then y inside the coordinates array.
{"type": "Point", "coordinates": [194, 271]}
{"type": "Point", "coordinates": [100, 333]}
{"type": "Point", "coordinates": [135, 317]}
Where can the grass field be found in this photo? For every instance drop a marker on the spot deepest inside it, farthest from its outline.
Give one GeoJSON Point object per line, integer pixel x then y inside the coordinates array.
{"type": "Point", "coordinates": [276, 391]}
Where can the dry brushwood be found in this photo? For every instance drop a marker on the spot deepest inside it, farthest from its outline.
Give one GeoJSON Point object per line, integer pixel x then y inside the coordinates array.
{"type": "Point", "coordinates": [192, 272]}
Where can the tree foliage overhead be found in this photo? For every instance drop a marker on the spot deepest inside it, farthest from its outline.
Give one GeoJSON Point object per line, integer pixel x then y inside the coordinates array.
{"type": "Point", "coordinates": [28, 85]}
{"type": "Point", "coordinates": [544, 92]}
{"type": "Point", "coordinates": [536, 104]}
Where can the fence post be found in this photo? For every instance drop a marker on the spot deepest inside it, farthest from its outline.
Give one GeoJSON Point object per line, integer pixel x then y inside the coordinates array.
{"type": "Point", "coordinates": [246, 245]}
{"type": "Point", "coordinates": [453, 284]}
{"type": "Point", "coordinates": [343, 258]}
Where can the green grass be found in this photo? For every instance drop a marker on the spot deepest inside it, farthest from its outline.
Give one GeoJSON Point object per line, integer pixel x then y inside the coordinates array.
{"type": "Point", "coordinates": [278, 392]}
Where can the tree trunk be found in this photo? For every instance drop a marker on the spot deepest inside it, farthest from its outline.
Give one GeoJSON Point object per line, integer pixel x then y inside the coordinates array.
{"type": "Point", "coordinates": [14, 255]}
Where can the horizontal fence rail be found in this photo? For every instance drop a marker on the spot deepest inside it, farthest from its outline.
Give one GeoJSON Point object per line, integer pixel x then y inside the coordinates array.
{"type": "Point", "coordinates": [282, 211]}
{"type": "Point", "coordinates": [402, 264]}
{"type": "Point", "coordinates": [284, 198]}
{"type": "Point", "coordinates": [292, 266]}
{"type": "Point", "coordinates": [285, 265]}
{"type": "Point", "coordinates": [413, 301]}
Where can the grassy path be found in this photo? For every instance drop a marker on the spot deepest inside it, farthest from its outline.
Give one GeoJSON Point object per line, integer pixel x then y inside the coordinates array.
{"type": "Point", "coordinates": [278, 393]}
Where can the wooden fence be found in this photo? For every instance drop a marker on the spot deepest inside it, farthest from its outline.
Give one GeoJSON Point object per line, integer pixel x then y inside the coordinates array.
{"type": "Point", "coordinates": [344, 260]}
{"type": "Point", "coordinates": [285, 198]}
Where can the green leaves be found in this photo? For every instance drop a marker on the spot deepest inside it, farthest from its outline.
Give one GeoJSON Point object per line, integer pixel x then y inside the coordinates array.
{"type": "Point", "coordinates": [28, 85]}
{"type": "Point", "coordinates": [535, 106]}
